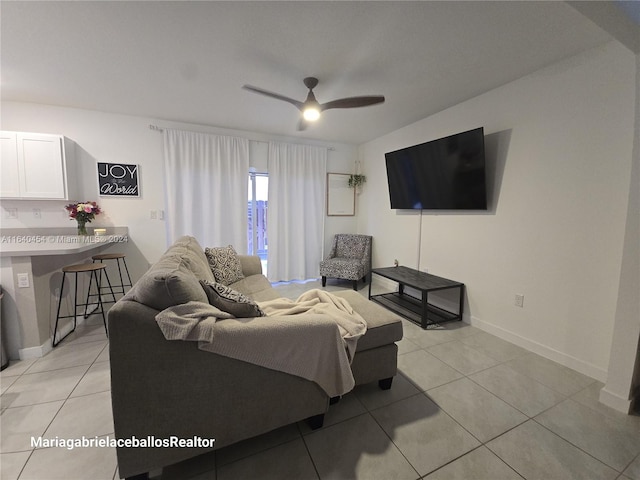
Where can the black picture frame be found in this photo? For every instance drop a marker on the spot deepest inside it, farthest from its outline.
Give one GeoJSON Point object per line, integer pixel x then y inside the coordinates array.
{"type": "Point", "coordinates": [118, 180]}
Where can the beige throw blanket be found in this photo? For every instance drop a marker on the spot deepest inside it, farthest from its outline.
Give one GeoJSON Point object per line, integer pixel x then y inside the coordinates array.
{"type": "Point", "coordinates": [314, 337]}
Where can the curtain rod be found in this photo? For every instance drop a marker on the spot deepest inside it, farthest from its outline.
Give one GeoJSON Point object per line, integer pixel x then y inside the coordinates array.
{"type": "Point", "coordinates": [160, 129]}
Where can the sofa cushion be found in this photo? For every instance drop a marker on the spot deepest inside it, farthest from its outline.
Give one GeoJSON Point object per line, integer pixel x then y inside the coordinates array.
{"type": "Point", "coordinates": [168, 282]}
{"type": "Point", "coordinates": [230, 301]}
{"type": "Point", "coordinates": [225, 264]}
{"type": "Point", "coordinates": [194, 262]}
{"type": "Point", "coordinates": [257, 287]}
{"type": "Point", "coordinates": [383, 326]}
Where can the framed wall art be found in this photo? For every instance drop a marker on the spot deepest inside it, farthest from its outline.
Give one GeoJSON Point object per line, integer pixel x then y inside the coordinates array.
{"type": "Point", "coordinates": [341, 198]}
{"type": "Point", "coordinates": [118, 180]}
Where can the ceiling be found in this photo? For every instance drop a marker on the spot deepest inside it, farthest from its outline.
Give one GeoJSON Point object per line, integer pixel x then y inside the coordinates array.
{"type": "Point", "coordinates": [186, 61]}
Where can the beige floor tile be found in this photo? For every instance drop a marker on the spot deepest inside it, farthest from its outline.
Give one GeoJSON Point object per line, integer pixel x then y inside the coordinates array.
{"type": "Point", "coordinates": [424, 433]}
{"type": "Point", "coordinates": [202, 464]}
{"type": "Point", "coordinates": [480, 412]}
{"type": "Point", "coordinates": [536, 453]}
{"type": "Point", "coordinates": [480, 464]}
{"type": "Point", "coordinates": [104, 355]}
{"type": "Point", "coordinates": [432, 336]}
{"type": "Point", "coordinates": [11, 464]}
{"type": "Point", "coordinates": [494, 347]}
{"type": "Point", "coordinates": [519, 391]}
{"type": "Point", "coordinates": [357, 448]}
{"type": "Point", "coordinates": [65, 356]}
{"type": "Point", "coordinates": [96, 463]}
{"type": "Point", "coordinates": [633, 470]}
{"type": "Point", "coordinates": [590, 397]}
{"type": "Point", "coordinates": [89, 415]}
{"type": "Point", "coordinates": [372, 396]}
{"type": "Point", "coordinates": [257, 444]}
{"type": "Point", "coordinates": [32, 388]}
{"type": "Point", "coordinates": [549, 373]}
{"type": "Point", "coordinates": [613, 442]}
{"type": "Point", "coordinates": [97, 379]}
{"type": "Point", "coordinates": [17, 367]}
{"type": "Point", "coordinates": [6, 382]}
{"type": "Point", "coordinates": [19, 424]}
{"type": "Point", "coordinates": [349, 406]}
{"type": "Point", "coordinates": [462, 357]}
{"type": "Point", "coordinates": [405, 346]}
{"type": "Point", "coordinates": [426, 371]}
{"type": "Point", "coordinates": [290, 460]}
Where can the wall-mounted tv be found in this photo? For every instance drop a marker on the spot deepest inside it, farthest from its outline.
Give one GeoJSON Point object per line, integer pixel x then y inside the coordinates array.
{"type": "Point", "coordinates": [444, 174]}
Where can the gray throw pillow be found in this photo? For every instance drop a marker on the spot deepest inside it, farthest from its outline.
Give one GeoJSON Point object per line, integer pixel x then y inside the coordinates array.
{"type": "Point", "coordinates": [225, 264]}
{"type": "Point", "coordinates": [231, 301]}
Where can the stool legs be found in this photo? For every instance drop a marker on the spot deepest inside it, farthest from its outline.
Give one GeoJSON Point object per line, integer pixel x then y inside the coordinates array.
{"type": "Point", "coordinates": [113, 295]}
{"type": "Point", "coordinates": [93, 276]}
{"type": "Point", "coordinates": [55, 329]}
{"type": "Point", "coordinates": [118, 288]}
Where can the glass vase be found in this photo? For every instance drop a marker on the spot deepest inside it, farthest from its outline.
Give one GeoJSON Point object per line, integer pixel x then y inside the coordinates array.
{"type": "Point", "coordinates": [82, 229]}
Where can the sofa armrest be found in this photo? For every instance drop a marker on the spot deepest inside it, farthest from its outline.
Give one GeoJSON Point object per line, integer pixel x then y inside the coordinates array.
{"type": "Point", "coordinates": [251, 265]}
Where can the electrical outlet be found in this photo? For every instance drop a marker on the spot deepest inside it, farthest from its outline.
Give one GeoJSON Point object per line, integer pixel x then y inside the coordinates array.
{"type": "Point", "coordinates": [37, 213]}
{"type": "Point", "coordinates": [23, 280]}
{"type": "Point", "coordinates": [519, 300]}
{"type": "Point", "coordinates": [160, 214]}
{"type": "Point", "coordinates": [154, 214]}
{"type": "Point", "coordinates": [12, 213]}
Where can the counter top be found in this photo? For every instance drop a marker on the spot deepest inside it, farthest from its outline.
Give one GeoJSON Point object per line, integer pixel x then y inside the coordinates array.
{"type": "Point", "coordinates": [28, 243]}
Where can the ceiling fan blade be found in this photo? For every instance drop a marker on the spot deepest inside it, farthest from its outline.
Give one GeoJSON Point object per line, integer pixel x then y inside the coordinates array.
{"type": "Point", "coordinates": [353, 102]}
{"type": "Point", "coordinates": [277, 96]}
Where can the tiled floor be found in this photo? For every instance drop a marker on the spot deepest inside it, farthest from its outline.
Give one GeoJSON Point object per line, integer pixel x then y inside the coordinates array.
{"type": "Point", "coordinates": [465, 405]}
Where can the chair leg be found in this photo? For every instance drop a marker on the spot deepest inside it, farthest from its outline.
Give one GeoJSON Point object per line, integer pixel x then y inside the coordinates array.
{"type": "Point", "coordinates": [324, 281]}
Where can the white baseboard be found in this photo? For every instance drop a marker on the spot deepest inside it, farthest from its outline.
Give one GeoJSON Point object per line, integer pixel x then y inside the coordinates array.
{"type": "Point", "coordinates": [562, 358]}
{"type": "Point", "coordinates": [46, 347]}
{"type": "Point", "coordinates": [614, 401]}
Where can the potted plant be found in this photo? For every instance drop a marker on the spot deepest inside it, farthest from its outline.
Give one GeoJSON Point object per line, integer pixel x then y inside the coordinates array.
{"type": "Point", "coordinates": [356, 180]}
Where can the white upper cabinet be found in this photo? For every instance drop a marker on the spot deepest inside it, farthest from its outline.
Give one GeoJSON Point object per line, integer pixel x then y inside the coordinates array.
{"type": "Point", "coordinates": [36, 166]}
{"type": "Point", "coordinates": [9, 176]}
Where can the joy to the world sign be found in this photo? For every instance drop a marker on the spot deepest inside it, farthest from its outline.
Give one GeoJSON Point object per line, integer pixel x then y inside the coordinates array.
{"type": "Point", "coordinates": [118, 179]}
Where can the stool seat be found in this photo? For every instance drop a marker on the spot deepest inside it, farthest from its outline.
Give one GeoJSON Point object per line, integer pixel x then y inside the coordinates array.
{"type": "Point", "coordinates": [108, 256]}
{"type": "Point", "coordinates": [84, 267]}
{"type": "Point", "coordinates": [124, 281]}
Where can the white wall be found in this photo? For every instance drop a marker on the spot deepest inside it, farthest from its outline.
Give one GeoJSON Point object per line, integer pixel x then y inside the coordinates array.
{"type": "Point", "coordinates": [106, 137]}
{"type": "Point", "coordinates": [559, 145]}
{"type": "Point", "coordinates": [623, 379]}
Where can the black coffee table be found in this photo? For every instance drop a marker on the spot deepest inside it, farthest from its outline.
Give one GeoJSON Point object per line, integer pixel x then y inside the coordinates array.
{"type": "Point", "coordinates": [418, 310]}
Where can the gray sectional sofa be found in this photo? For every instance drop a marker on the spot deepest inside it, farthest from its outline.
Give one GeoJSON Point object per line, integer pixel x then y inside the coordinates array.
{"type": "Point", "coordinates": [170, 389]}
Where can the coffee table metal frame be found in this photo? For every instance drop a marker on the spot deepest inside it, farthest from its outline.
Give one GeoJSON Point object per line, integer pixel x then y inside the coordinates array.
{"type": "Point", "coordinates": [418, 310]}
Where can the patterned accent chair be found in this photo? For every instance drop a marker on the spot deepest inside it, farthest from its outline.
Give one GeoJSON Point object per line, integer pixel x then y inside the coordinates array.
{"type": "Point", "coordinates": [349, 259]}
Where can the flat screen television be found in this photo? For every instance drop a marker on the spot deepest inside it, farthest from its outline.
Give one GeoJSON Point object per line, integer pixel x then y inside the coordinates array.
{"type": "Point", "coordinates": [444, 174]}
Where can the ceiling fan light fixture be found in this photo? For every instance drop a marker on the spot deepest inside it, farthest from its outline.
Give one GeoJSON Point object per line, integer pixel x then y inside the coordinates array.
{"type": "Point", "coordinates": [311, 113]}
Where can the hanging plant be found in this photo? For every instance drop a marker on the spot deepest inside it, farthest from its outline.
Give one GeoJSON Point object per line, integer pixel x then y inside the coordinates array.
{"type": "Point", "coordinates": [356, 180]}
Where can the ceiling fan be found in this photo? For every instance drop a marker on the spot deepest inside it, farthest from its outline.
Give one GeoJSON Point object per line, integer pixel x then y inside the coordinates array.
{"type": "Point", "coordinates": [311, 108]}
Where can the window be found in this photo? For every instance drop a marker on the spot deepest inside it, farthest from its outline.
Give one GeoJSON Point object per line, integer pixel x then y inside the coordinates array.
{"type": "Point", "coordinates": [257, 214]}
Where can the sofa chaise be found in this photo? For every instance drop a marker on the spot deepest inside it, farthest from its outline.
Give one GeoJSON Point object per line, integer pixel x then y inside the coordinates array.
{"type": "Point", "coordinates": [165, 389]}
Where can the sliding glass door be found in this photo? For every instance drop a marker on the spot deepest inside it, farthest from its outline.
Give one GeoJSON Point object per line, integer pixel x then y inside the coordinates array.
{"type": "Point", "coordinates": [257, 213]}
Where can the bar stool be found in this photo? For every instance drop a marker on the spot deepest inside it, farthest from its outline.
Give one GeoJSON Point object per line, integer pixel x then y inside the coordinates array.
{"type": "Point", "coordinates": [114, 287]}
{"type": "Point", "coordinates": [93, 269]}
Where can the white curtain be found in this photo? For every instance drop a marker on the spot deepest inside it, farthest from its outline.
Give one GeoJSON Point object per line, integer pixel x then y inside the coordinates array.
{"type": "Point", "coordinates": [295, 227]}
{"type": "Point", "coordinates": [206, 188]}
